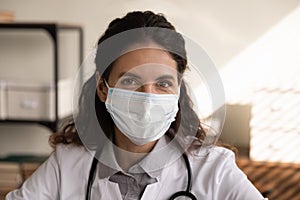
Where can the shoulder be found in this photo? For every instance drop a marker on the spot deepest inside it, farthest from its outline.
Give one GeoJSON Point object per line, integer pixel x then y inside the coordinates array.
{"type": "Point", "coordinates": [216, 169]}
{"type": "Point", "coordinates": [73, 159]}
{"type": "Point", "coordinates": [69, 149]}
{"type": "Point", "coordinates": [212, 154]}
{"type": "Point", "coordinates": [216, 160]}
{"type": "Point", "coordinates": [220, 154]}
{"type": "Point", "coordinates": [71, 153]}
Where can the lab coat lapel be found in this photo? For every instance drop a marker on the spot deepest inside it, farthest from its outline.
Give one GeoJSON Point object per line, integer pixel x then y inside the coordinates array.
{"type": "Point", "coordinates": [107, 190]}
{"type": "Point", "coordinates": [159, 189]}
{"type": "Point", "coordinates": [152, 191]}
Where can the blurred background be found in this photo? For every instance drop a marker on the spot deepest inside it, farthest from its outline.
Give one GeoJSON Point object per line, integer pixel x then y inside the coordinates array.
{"type": "Point", "coordinates": [255, 46]}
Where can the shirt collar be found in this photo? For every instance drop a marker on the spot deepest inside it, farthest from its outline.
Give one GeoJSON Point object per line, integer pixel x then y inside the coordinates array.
{"type": "Point", "coordinates": [152, 164]}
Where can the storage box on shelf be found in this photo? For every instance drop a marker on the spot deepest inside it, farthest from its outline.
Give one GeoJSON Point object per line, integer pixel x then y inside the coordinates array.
{"type": "Point", "coordinates": [35, 101]}
{"type": "Point", "coordinates": [38, 62]}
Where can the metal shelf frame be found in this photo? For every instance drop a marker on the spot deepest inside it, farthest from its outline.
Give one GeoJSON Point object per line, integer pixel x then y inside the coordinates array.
{"type": "Point", "coordinates": [52, 29]}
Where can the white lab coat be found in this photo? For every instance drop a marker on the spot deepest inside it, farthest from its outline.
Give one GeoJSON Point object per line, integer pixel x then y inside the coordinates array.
{"type": "Point", "coordinates": [64, 176]}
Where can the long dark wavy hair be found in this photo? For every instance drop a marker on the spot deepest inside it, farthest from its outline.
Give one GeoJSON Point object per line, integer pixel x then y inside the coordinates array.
{"type": "Point", "coordinates": [187, 122]}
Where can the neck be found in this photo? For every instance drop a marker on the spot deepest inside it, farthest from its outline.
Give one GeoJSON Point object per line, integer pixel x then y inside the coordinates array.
{"type": "Point", "coordinates": [130, 153]}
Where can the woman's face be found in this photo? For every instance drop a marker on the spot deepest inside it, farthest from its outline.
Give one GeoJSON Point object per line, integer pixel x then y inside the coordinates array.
{"type": "Point", "coordinates": [145, 70]}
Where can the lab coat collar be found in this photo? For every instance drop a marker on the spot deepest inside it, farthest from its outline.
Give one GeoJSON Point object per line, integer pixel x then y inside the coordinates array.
{"type": "Point", "coordinates": [152, 164]}
{"type": "Point", "coordinates": [108, 164]}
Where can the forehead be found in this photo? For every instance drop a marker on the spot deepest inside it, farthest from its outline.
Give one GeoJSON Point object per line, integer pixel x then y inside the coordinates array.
{"type": "Point", "coordinates": [148, 61]}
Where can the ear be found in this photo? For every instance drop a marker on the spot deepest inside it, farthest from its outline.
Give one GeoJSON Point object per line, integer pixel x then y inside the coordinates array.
{"type": "Point", "coordinates": [101, 87]}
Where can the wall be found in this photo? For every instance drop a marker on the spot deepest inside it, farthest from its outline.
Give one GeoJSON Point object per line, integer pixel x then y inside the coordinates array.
{"type": "Point", "coordinates": [272, 61]}
{"type": "Point", "coordinates": [223, 28]}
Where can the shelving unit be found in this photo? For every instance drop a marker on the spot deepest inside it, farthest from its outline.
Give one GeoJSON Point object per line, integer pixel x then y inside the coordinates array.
{"type": "Point", "coordinates": [52, 30]}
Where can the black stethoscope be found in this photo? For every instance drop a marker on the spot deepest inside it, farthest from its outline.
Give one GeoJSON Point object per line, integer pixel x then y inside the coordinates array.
{"type": "Point", "coordinates": [184, 193]}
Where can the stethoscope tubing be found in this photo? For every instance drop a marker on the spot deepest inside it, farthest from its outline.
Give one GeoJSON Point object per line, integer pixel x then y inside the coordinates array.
{"type": "Point", "coordinates": [186, 193]}
{"type": "Point", "coordinates": [91, 178]}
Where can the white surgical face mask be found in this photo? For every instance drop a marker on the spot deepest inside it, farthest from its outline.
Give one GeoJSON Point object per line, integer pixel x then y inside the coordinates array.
{"type": "Point", "coordinates": [142, 117]}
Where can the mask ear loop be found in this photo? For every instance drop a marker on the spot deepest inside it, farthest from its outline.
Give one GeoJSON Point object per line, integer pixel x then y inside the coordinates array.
{"type": "Point", "coordinates": [98, 78]}
{"type": "Point", "coordinates": [106, 84]}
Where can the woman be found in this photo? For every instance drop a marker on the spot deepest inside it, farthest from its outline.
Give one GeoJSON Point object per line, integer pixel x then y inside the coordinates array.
{"type": "Point", "coordinates": [133, 125]}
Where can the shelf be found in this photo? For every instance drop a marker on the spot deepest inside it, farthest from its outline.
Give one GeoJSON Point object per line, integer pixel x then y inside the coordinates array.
{"type": "Point", "coordinates": [52, 30]}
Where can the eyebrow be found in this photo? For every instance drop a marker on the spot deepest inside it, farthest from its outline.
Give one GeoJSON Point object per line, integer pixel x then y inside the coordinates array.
{"type": "Point", "coordinates": [166, 77]}
{"type": "Point", "coordinates": [129, 74]}
{"type": "Point", "coordinates": [138, 77]}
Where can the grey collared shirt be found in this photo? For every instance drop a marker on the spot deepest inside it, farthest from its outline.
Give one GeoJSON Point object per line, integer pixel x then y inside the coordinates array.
{"type": "Point", "coordinates": [132, 186]}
